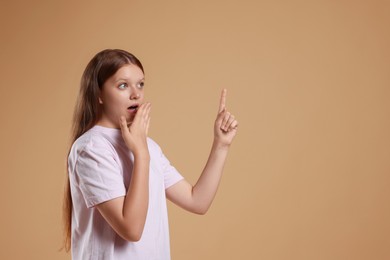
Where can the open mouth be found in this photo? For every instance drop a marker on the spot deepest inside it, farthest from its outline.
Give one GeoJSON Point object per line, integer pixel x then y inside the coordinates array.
{"type": "Point", "coordinates": [133, 108]}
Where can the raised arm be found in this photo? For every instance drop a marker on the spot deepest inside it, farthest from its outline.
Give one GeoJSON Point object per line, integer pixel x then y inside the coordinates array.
{"type": "Point", "coordinates": [198, 198]}
{"type": "Point", "coordinates": [127, 215]}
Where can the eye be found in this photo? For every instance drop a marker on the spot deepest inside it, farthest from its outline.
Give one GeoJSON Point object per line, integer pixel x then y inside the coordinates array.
{"type": "Point", "coordinates": [122, 86]}
{"type": "Point", "coordinates": [141, 85]}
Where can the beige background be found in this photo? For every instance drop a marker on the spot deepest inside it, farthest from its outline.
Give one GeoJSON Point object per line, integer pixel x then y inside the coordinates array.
{"type": "Point", "coordinates": [308, 175]}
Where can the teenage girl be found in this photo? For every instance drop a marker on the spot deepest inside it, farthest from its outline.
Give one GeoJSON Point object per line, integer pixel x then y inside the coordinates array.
{"type": "Point", "coordinates": [118, 178]}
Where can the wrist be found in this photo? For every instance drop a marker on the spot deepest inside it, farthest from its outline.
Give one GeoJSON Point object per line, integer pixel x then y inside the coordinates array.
{"type": "Point", "coordinates": [141, 155]}
{"type": "Point", "coordinates": [220, 145]}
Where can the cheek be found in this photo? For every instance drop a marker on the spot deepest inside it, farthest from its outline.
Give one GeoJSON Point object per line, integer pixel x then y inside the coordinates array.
{"type": "Point", "coordinates": [113, 104]}
{"type": "Point", "coordinates": [117, 98]}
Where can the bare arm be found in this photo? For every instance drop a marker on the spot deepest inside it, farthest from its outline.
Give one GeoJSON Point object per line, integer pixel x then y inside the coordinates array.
{"type": "Point", "coordinates": [198, 198]}
{"type": "Point", "coordinates": [127, 215]}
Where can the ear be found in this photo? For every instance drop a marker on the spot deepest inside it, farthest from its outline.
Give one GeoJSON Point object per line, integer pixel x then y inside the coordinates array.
{"type": "Point", "coordinates": [100, 101]}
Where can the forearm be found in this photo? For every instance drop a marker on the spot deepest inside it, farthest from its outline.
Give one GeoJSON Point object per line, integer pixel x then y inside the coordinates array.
{"type": "Point", "coordinates": [137, 199]}
{"type": "Point", "coordinates": [205, 189]}
{"type": "Point", "coordinates": [198, 198]}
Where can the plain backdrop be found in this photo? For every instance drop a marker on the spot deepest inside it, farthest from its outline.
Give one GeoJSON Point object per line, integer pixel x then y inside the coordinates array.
{"type": "Point", "coordinates": [308, 174]}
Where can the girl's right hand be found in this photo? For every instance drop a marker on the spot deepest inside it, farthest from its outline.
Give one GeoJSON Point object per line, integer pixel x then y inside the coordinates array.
{"type": "Point", "coordinates": [135, 135]}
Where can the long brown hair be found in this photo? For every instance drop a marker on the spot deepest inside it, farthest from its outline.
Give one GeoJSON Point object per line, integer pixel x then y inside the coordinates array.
{"type": "Point", "coordinates": [87, 111]}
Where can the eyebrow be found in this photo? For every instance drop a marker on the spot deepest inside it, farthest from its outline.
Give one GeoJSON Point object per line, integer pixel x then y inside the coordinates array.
{"type": "Point", "coordinates": [142, 79]}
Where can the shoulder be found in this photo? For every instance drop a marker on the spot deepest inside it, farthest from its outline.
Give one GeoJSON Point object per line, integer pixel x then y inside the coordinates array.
{"type": "Point", "coordinates": [152, 143]}
{"type": "Point", "coordinates": [154, 147]}
{"type": "Point", "coordinates": [90, 143]}
{"type": "Point", "coordinates": [92, 140]}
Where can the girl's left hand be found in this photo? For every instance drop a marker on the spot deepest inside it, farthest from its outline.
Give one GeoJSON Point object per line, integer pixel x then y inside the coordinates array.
{"type": "Point", "coordinates": [225, 127]}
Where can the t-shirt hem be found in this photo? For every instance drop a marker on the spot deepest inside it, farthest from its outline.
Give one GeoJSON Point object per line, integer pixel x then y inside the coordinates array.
{"type": "Point", "coordinates": [93, 201]}
{"type": "Point", "coordinates": [174, 181]}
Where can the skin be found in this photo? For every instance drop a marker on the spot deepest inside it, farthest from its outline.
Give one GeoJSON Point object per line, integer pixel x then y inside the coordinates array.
{"type": "Point", "coordinates": [127, 215]}
{"type": "Point", "coordinates": [123, 89]}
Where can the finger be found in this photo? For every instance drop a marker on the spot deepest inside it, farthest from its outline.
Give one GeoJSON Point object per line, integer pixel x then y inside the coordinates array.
{"type": "Point", "coordinates": [229, 122]}
{"type": "Point", "coordinates": [222, 102]}
{"type": "Point", "coordinates": [147, 125]}
{"type": "Point", "coordinates": [147, 110]}
{"type": "Point", "coordinates": [140, 112]}
{"type": "Point", "coordinates": [123, 124]}
{"type": "Point", "coordinates": [142, 108]}
{"type": "Point", "coordinates": [220, 117]}
{"type": "Point", "coordinates": [225, 120]}
{"type": "Point", "coordinates": [137, 115]}
{"type": "Point", "coordinates": [233, 125]}
{"type": "Point", "coordinates": [146, 115]}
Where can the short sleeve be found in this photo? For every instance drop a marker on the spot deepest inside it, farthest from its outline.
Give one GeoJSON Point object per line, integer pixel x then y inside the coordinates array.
{"type": "Point", "coordinates": [99, 175]}
{"type": "Point", "coordinates": [171, 175]}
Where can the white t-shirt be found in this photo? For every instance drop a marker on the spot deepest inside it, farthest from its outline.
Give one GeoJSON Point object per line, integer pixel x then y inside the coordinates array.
{"type": "Point", "coordinates": [100, 168]}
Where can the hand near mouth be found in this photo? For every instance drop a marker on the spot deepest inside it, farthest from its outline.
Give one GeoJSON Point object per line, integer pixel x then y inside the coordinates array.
{"type": "Point", "coordinates": [135, 135]}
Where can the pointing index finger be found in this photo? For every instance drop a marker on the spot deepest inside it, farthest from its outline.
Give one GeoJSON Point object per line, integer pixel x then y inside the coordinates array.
{"type": "Point", "coordinates": [222, 102]}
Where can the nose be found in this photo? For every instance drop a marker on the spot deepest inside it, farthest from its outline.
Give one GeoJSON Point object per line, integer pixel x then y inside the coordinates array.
{"type": "Point", "coordinates": [135, 94]}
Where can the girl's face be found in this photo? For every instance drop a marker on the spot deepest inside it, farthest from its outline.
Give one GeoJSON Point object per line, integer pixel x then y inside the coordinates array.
{"type": "Point", "coordinates": [121, 95]}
